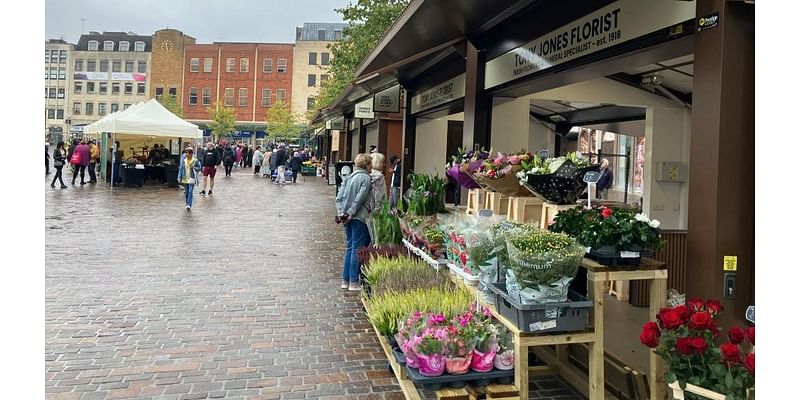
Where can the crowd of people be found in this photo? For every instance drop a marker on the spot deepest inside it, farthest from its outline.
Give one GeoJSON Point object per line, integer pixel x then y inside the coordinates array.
{"type": "Point", "coordinates": [82, 155]}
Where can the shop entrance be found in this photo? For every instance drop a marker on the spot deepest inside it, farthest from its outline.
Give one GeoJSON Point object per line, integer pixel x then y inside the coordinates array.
{"type": "Point", "coordinates": [455, 140]}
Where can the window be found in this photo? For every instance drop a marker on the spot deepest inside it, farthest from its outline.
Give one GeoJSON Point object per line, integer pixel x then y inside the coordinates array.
{"type": "Point", "coordinates": [76, 108]}
{"type": "Point", "coordinates": [103, 65]}
{"type": "Point", "coordinates": [280, 95]}
{"type": "Point", "coordinates": [310, 103]}
{"type": "Point", "coordinates": [281, 65]}
{"type": "Point", "coordinates": [78, 65]}
{"type": "Point", "coordinates": [90, 87]}
{"type": "Point", "coordinates": [62, 73]}
{"type": "Point", "coordinates": [61, 92]}
{"type": "Point", "coordinates": [93, 44]}
{"type": "Point", "coordinates": [128, 88]}
{"type": "Point", "coordinates": [194, 65]}
{"type": "Point", "coordinates": [46, 55]}
{"type": "Point", "coordinates": [60, 113]}
{"type": "Point", "coordinates": [242, 97]}
{"type": "Point", "coordinates": [140, 88]}
{"type": "Point", "coordinates": [325, 58]}
{"type": "Point", "coordinates": [128, 65]}
{"type": "Point", "coordinates": [267, 65]}
{"type": "Point", "coordinates": [322, 79]}
{"type": "Point", "coordinates": [62, 57]}
{"type": "Point", "coordinates": [91, 65]}
{"type": "Point", "coordinates": [321, 34]}
{"type": "Point", "coordinates": [52, 93]}
{"type": "Point", "coordinates": [337, 34]}
{"type": "Point", "coordinates": [114, 107]}
{"type": "Point", "coordinates": [266, 96]}
{"type": "Point", "coordinates": [312, 80]}
{"type": "Point", "coordinates": [312, 58]}
{"type": "Point", "coordinates": [244, 65]}
{"type": "Point", "coordinates": [208, 64]}
{"type": "Point", "coordinates": [54, 56]}
{"type": "Point", "coordinates": [78, 87]}
{"type": "Point", "coordinates": [115, 88]}
{"type": "Point", "coordinates": [206, 96]}
{"type": "Point", "coordinates": [107, 46]}
{"type": "Point", "coordinates": [173, 91]}
{"type": "Point", "coordinates": [141, 67]}
{"type": "Point", "coordinates": [53, 73]}
{"type": "Point", "coordinates": [89, 108]}
{"type": "Point", "coordinates": [138, 46]}
{"type": "Point", "coordinates": [228, 97]}
{"type": "Point", "coordinates": [46, 91]}
{"type": "Point", "coordinates": [46, 73]}
{"type": "Point", "coordinates": [193, 95]}
{"type": "Point", "coordinates": [126, 106]}
{"type": "Point", "coordinates": [159, 93]}
{"type": "Point", "coordinates": [230, 64]}
{"type": "Point", "coordinates": [124, 46]}
{"type": "Point", "coordinates": [103, 87]}
{"type": "Point", "coordinates": [51, 113]}
{"type": "Point", "coordinates": [101, 108]}
{"type": "Point", "coordinates": [116, 66]}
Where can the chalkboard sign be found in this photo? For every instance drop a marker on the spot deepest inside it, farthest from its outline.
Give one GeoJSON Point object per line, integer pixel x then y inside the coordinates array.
{"type": "Point", "coordinates": [591, 176]}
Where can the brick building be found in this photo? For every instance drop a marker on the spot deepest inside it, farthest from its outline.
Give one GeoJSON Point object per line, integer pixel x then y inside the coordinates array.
{"type": "Point", "coordinates": [248, 77]}
{"type": "Point", "coordinates": [166, 70]}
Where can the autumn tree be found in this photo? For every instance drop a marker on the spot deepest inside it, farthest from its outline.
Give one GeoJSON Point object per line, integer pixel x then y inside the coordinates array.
{"type": "Point", "coordinates": [223, 120]}
{"type": "Point", "coordinates": [281, 122]}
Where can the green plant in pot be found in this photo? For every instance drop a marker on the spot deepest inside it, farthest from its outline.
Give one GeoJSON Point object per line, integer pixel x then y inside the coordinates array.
{"type": "Point", "coordinates": [427, 194]}
{"type": "Point", "coordinates": [386, 225]}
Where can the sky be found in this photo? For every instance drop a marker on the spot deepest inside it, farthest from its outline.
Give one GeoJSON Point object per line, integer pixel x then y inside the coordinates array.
{"type": "Point", "coordinates": [205, 20]}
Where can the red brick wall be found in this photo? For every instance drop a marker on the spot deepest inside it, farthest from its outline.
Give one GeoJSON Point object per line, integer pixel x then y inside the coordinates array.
{"type": "Point", "coordinates": [255, 53]}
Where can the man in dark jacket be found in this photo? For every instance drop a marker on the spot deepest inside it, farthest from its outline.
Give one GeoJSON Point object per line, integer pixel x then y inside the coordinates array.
{"type": "Point", "coordinates": [605, 181]}
{"type": "Point", "coordinates": [295, 164]}
{"type": "Point", "coordinates": [280, 162]}
{"type": "Point", "coordinates": [211, 159]}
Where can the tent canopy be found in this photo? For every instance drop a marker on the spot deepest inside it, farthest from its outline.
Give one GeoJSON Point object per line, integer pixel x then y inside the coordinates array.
{"type": "Point", "coordinates": [146, 119]}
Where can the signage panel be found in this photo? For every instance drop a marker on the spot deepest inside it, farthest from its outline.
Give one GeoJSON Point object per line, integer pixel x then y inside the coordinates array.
{"type": "Point", "coordinates": [364, 109]}
{"type": "Point", "coordinates": [440, 94]}
{"type": "Point", "coordinates": [387, 100]}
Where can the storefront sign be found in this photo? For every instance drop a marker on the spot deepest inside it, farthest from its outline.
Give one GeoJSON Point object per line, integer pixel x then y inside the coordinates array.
{"type": "Point", "coordinates": [91, 76]}
{"type": "Point", "coordinates": [337, 123]}
{"type": "Point", "coordinates": [126, 76]}
{"type": "Point", "coordinates": [364, 109]}
{"type": "Point", "coordinates": [443, 93]}
{"type": "Point", "coordinates": [335, 141]}
{"type": "Point", "coordinates": [387, 100]}
{"type": "Point", "coordinates": [609, 26]}
{"type": "Point", "coordinates": [708, 22]}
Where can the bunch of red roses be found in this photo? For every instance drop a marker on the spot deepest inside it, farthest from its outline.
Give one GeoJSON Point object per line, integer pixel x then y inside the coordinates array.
{"type": "Point", "coordinates": [685, 337]}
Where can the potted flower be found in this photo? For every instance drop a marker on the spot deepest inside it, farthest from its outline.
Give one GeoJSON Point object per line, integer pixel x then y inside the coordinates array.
{"type": "Point", "coordinates": [483, 334]}
{"type": "Point", "coordinates": [458, 349]}
{"type": "Point", "coordinates": [406, 337]}
{"type": "Point", "coordinates": [504, 360]}
{"type": "Point", "coordinates": [686, 337]}
{"type": "Point", "coordinates": [429, 349]}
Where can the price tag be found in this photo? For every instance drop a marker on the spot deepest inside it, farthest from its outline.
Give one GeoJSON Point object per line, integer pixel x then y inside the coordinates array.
{"type": "Point", "coordinates": [543, 325]}
{"type": "Point", "coordinates": [729, 263]}
{"type": "Point", "coordinates": [629, 254]}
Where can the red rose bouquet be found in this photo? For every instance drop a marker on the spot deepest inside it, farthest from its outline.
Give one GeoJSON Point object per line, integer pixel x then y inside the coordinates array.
{"type": "Point", "coordinates": [686, 337]}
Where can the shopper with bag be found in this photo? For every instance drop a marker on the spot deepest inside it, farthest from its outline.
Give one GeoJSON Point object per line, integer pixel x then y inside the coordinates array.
{"type": "Point", "coordinates": [80, 160]}
{"type": "Point", "coordinates": [59, 157]}
{"type": "Point", "coordinates": [187, 175]}
{"type": "Point", "coordinates": [352, 211]}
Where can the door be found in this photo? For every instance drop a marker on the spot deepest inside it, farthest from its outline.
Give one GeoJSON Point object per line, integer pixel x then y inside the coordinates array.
{"type": "Point", "coordinates": [455, 140]}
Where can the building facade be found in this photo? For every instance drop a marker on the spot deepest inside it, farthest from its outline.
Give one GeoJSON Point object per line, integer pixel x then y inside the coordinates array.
{"type": "Point", "coordinates": [58, 81]}
{"type": "Point", "coordinates": [110, 72]}
{"type": "Point", "coordinates": [166, 72]}
{"type": "Point", "coordinates": [248, 77]}
{"type": "Point", "coordinates": [311, 59]}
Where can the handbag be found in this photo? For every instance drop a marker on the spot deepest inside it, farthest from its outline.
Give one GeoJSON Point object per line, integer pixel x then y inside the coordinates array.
{"type": "Point", "coordinates": [192, 181]}
{"type": "Point", "coordinates": [76, 158]}
{"type": "Point", "coordinates": [58, 163]}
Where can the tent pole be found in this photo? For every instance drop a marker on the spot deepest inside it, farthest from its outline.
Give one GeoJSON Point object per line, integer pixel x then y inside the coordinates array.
{"type": "Point", "coordinates": [113, 158]}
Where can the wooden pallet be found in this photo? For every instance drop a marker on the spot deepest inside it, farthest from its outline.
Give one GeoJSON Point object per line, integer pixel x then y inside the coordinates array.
{"type": "Point", "coordinates": [525, 209]}
{"type": "Point", "coordinates": [497, 202]}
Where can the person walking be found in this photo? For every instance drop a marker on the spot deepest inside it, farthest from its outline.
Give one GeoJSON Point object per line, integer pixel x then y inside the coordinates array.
{"type": "Point", "coordinates": [248, 160]}
{"type": "Point", "coordinates": [211, 159]}
{"type": "Point", "coordinates": [273, 164]}
{"type": "Point", "coordinates": [295, 164]}
{"type": "Point", "coordinates": [257, 159]}
{"type": "Point", "coordinates": [378, 179]}
{"type": "Point", "coordinates": [80, 160]}
{"type": "Point", "coordinates": [605, 181]}
{"type": "Point", "coordinates": [351, 207]}
{"type": "Point", "coordinates": [59, 157]}
{"type": "Point", "coordinates": [187, 175]}
{"type": "Point", "coordinates": [227, 159]}
{"type": "Point", "coordinates": [238, 152]}
{"type": "Point", "coordinates": [94, 153]}
{"type": "Point", "coordinates": [396, 176]}
{"type": "Point", "coordinates": [265, 166]}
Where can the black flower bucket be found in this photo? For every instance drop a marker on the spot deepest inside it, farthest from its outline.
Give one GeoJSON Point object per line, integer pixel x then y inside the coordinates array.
{"type": "Point", "coordinates": [564, 186]}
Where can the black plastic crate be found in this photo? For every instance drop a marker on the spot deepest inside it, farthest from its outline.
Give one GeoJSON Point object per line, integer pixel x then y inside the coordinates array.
{"type": "Point", "coordinates": [614, 259]}
{"type": "Point", "coordinates": [459, 381]}
{"type": "Point", "coordinates": [568, 316]}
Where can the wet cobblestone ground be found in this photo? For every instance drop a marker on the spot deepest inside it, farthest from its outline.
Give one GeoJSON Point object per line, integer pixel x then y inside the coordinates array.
{"type": "Point", "coordinates": [238, 299]}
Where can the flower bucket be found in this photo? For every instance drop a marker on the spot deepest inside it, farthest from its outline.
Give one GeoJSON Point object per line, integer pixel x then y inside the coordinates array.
{"type": "Point", "coordinates": [462, 178]}
{"type": "Point", "coordinates": [458, 365]}
{"type": "Point", "coordinates": [505, 360]}
{"type": "Point", "coordinates": [408, 352]}
{"type": "Point", "coordinates": [482, 362]}
{"type": "Point", "coordinates": [431, 365]}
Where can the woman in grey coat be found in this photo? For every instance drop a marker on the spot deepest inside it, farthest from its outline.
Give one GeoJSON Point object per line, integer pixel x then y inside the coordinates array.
{"type": "Point", "coordinates": [352, 211]}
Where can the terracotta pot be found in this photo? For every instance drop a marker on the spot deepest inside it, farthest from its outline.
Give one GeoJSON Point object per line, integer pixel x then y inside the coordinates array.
{"type": "Point", "coordinates": [505, 360]}
{"type": "Point", "coordinates": [458, 365]}
{"type": "Point", "coordinates": [482, 362]}
{"type": "Point", "coordinates": [431, 365]}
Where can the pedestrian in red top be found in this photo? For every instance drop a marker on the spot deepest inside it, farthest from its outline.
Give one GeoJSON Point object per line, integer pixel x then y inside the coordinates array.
{"type": "Point", "coordinates": [84, 156]}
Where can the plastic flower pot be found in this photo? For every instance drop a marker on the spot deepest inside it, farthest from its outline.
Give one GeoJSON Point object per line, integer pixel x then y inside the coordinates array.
{"type": "Point", "coordinates": [408, 352]}
{"type": "Point", "coordinates": [505, 360]}
{"type": "Point", "coordinates": [482, 362]}
{"type": "Point", "coordinates": [431, 365]}
{"type": "Point", "coordinates": [458, 365]}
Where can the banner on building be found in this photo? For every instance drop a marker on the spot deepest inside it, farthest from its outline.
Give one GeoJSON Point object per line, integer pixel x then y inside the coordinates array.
{"type": "Point", "coordinates": [127, 76]}
{"type": "Point", "coordinates": [90, 76]}
{"type": "Point", "coordinates": [609, 26]}
{"type": "Point", "coordinates": [387, 100]}
{"type": "Point", "coordinates": [445, 92]}
{"type": "Point", "coordinates": [364, 109]}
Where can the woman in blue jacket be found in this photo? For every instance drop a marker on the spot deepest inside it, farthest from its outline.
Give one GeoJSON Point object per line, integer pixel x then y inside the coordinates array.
{"type": "Point", "coordinates": [187, 175]}
{"type": "Point", "coordinates": [352, 205]}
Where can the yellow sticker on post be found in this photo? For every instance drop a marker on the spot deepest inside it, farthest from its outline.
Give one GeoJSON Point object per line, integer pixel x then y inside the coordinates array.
{"type": "Point", "coordinates": [729, 263]}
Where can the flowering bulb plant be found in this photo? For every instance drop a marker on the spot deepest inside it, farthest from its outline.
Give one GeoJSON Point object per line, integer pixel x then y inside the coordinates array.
{"type": "Point", "coordinates": [686, 336]}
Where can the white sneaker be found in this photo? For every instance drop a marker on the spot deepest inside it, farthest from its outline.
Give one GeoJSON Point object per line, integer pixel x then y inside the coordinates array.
{"type": "Point", "coordinates": [354, 287]}
{"type": "Point", "coordinates": [345, 284]}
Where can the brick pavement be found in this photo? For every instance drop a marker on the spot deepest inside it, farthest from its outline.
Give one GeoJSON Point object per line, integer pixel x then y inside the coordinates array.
{"type": "Point", "coordinates": [238, 299]}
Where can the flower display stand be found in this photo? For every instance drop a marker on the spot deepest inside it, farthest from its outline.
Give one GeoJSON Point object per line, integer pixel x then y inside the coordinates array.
{"type": "Point", "coordinates": [474, 202]}
{"type": "Point", "coordinates": [680, 394]}
{"type": "Point", "coordinates": [549, 212]}
{"type": "Point", "coordinates": [497, 202]}
{"type": "Point", "coordinates": [527, 209]}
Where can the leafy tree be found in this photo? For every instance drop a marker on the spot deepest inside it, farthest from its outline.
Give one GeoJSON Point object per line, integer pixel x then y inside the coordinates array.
{"type": "Point", "coordinates": [281, 123]}
{"type": "Point", "coordinates": [368, 21]}
{"type": "Point", "coordinates": [223, 120]}
{"type": "Point", "coordinates": [171, 103]}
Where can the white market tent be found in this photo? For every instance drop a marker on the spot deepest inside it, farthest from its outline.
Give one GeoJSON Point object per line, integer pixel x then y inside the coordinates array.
{"type": "Point", "coordinates": [146, 119]}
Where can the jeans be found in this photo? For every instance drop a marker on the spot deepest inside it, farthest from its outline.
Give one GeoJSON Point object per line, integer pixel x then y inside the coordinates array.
{"type": "Point", "coordinates": [395, 197]}
{"type": "Point", "coordinates": [357, 237]}
{"type": "Point", "coordinates": [188, 191]}
{"type": "Point", "coordinates": [281, 171]}
{"type": "Point", "coordinates": [92, 175]}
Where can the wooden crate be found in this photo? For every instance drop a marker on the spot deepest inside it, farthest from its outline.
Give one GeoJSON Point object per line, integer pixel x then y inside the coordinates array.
{"type": "Point", "coordinates": [497, 202]}
{"type": "Point", "coordinates": [549, 211]}
{"type": "Point", "coordinates": [474, 202]}
{"type": "Point", "coordinates": [525, 210]}
{"type": "Point", "coordinates": [452, 394]}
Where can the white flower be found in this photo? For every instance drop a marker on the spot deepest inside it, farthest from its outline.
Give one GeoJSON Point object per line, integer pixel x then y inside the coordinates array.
{"type": "Point", "coordinates": [521, 175]}
{"type": "Point", "coordinates": [641, 217]}
{"type": "Point", "coordinates": [654, 223]}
